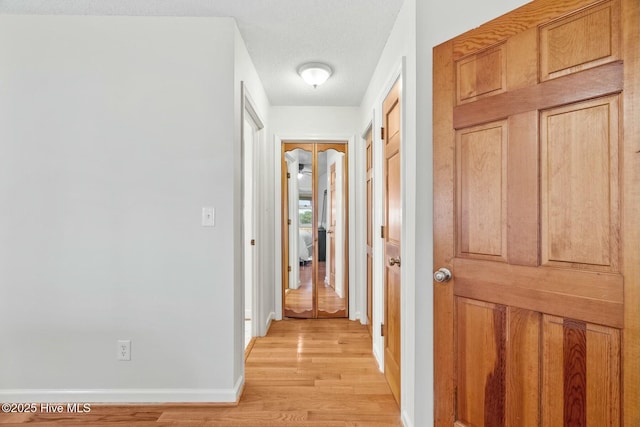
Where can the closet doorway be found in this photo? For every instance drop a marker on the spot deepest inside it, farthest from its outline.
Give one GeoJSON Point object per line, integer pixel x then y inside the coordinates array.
{"type": "Point", "coordinates": [315, 230]}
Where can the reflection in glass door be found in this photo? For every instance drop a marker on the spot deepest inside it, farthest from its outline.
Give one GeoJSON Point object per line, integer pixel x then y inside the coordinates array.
{"type": "Point", "coordinates": [315, 230]}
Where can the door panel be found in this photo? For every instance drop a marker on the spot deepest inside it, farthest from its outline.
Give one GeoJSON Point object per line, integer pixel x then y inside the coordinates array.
{"type": "Point", "coordinates": [481, 338]}
{"type": "Point", "coordinates": [581, 381]}
{"type": "Point", "coordinates": [580, 185]}
{"type": "Point", "coordinates": [392, 239]}
{"type": "Point", "coordinates": [530, 210]}
{"type": "Point", "coordinates": [369, 169]}
{"type": "Point", "coordinates": [481, 75]}
{"type": "Point", "coordinates": [522, 400]}
{"type": "Point", "coordinates": [581, 40]}
{"type": "Point", "coordinates": [482, 164]}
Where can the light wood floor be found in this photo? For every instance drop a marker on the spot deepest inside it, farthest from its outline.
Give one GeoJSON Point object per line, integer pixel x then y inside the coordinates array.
{"type": "Point", "coordinates": [303, 373]}
{"type": "Point", "coordinates": [299, 302]}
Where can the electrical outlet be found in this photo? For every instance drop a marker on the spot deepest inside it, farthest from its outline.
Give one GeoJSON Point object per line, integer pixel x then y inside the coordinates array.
{"type": "Point", "coordinates": [123, 350]}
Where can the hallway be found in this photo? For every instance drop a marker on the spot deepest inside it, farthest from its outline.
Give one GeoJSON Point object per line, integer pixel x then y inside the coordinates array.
{"type": "Point", "coordinates": [303, 373]}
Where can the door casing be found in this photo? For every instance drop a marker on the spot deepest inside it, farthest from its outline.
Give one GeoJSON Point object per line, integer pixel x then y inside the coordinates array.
{"type": "Point", "coordinates": [249, 114]}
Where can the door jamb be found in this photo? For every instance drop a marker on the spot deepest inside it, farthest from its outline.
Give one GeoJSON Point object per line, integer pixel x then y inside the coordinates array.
{"type": "Point", "coordinates": [249, 112]}
{"type": "Point", "coordinates": [362, 224]}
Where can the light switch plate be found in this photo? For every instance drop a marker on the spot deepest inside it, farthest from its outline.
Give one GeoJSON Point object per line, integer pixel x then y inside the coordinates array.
{"type": "Point", "coordinates": [208, 217]}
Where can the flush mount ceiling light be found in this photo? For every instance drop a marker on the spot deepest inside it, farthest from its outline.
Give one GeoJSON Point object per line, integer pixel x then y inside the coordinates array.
{"type": "Point", "coordinates": [315, 73]}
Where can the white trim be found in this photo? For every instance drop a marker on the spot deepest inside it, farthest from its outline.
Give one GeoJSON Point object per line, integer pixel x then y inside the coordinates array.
{"type": "Point", "coordinates": [360, 183]}
{"type": "Point", "coordinates": [267, 325]}
{"type": "Point", "coordinates": [249, 111]}
{"type": "Point", "coordinates": [150, 395]}
{"type": "Point", "coordinates": [378, 221]}
{"type": "Point", "coordinates": [277, 225]}
{"type": "Point", "coordinates": [379, 359]}
{"type": "Point", "coordinates": [350, 140]}
{"type": "Point", "coordinates": [406, 419]}
{"type": "Point", "coordinates": [407, 297]}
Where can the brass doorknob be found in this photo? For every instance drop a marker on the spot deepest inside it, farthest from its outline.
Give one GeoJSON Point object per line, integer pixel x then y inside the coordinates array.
{"type": "Point", "coordinates": [442, 275]}
{"type": "Point", "coordinates": [394, 261]}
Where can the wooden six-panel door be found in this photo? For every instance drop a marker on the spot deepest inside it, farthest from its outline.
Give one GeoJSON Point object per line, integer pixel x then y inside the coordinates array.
{"type": "Point", "coordinates": [392, 238]}
{"type": "Point", "coordinates": [536, 169]}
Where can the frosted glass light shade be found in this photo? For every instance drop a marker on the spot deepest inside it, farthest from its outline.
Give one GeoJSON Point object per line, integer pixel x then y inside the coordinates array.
{"type": "Point", "coordinates": [315, 73]}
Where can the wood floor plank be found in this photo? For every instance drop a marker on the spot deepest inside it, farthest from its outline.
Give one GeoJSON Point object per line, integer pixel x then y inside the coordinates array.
{"type": "Point", "coordinates": [304, 373]}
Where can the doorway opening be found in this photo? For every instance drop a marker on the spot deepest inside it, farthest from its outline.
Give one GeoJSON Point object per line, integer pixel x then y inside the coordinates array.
{"type": "Point", "coordinates": [252, 128]}
{"type": "Point", "coordinates": [315, 229]}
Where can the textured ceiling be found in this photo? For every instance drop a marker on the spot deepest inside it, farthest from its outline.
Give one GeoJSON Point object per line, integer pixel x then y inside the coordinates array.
{"type": "Point", "coordinates": [349, 35]}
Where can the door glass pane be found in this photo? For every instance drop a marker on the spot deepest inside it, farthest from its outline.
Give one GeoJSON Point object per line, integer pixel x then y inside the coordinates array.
{"type": "Point", "coordinates": [299, 292]}
{"type": "Point", "coordinates": [332, 285]}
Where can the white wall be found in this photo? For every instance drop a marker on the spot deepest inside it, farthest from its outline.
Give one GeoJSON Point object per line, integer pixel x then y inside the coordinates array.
{"type": "Point", "coordinates": [114, 133]}
{"type": "Point", "coordinates": [313, 123]}
{"type": "Point", "coordinates": [398, 59]}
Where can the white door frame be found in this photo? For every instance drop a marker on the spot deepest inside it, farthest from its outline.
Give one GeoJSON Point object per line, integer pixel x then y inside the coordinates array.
{"type": "Point", "coordinates": [277, 164]}
{"type": "Point", "coordinates": [249, 114]}
{"type": "Point", "coordinates": [361, 201]}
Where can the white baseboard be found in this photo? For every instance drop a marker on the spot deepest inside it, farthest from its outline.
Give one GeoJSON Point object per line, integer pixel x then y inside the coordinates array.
{"type": "Point", "coordinates": [270, 318]}
{"type": "Point", "coordinates": [357, 316]}
{"type": "Point", "coordinates": [378, 358]}
{"type": "Point", "coordinates": [129, 395]}
{"type": "Point", "coordinates": [406, 422]}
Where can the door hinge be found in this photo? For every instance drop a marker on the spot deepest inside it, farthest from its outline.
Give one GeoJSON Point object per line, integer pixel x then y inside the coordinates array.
{"type": "Point", "coordinates": [382, 133]}
{"type": "Point", "coordinates": [381, 329]}
{"type": "Point", "coordinates": [289, 269]}
{"type": "Point", "coordinates": [288, 222]}
{"type": "Point", "coordinates": [253, 242]}
{"type": "Point", "coordinates": [288, 175]}
{"type": "Point", "coordinates": [382, 231]}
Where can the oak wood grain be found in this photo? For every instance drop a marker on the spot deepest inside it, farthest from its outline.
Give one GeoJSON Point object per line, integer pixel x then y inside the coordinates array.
{"type": "Point", "coordinates": [595, 82]}
{"type": "Point", "coordinates": [581, 40]}
{"type": "Point", "coordinates": [482, 191]}
{"type": "Point", "coordinates": [588, 296]}
{"type": "Point", "coordinates": [631, 212]}
{"type": "Point", "coordinates": [369, 202]}
{"type": "Point", "coordinates": [575, 373]}
{"type": "Point", "coordinates": [443, 232]}
{"type": "Point", "coordinates": [579, 144]}
{"type": "Point", "coordinates": [528, 16]}
{"type": "Point", "coordinates": [523, 368]}
{"type": "Point", "coordinates": [523, 190]}
{"type": "Point", "coordinates": [392, 173]}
